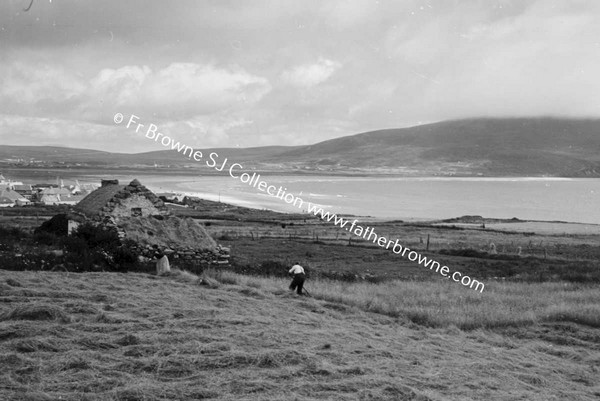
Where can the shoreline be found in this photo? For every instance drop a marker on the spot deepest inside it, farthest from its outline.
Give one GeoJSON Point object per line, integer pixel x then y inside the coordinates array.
{"type": "Point", "coordinates": [338, 194]}
{"type": "Point", "coordinates": [208, 172]}
{"type": "Point", "coordinates": [492, 223]}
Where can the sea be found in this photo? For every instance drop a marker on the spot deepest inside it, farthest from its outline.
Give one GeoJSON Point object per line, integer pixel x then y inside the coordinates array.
{"type": "Point", "coordinates": [401, 198]}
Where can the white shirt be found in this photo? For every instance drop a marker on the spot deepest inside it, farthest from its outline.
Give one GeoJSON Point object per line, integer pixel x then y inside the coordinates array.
{"type": "Point", "coordinates": [296, 269]}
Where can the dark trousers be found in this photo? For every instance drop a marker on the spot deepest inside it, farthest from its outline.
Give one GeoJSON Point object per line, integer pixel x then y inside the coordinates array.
{"type": "Point", "coordinates": [297, 283]}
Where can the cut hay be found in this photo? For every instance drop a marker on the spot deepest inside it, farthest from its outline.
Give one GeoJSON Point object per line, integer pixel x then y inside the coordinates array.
{"type": "Point", "coordinates": [5, 289]}
{"type": "Point", "coordinates": [253, 292]}
{"type": "Point", "coordinates": [183, 276]}
{"type": "Point", "coordinates": [208, 282]}
{"type": "Point", "coordinates": [273, 359]}
{"type": "Point", "coordinates": [168, 232]}
{"type": "Point", "coordinates": [35, 345]}
{"type": "Point", "coordinates": [37, 312]}
{"type": "Point", "coordinates": [13, 283]}
{"type": "Point", "coordinates": [128, 339]}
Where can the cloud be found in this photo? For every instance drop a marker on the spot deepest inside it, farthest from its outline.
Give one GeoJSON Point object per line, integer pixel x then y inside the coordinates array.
{"type": "Point", "coordinates": [262, 72]}
{"type": "Point", "coordinates": [24, 86]}
{"type": "Point", "coordinates": [209, 131]}
{"type": "Point", "coordinates": [344, 14]}
{"type": "Point", "coordinates": [178, 91]}
{"type": "Point", "coordinates": [62, 132]}
{"type": "Point", "coordinates": [309, 75]}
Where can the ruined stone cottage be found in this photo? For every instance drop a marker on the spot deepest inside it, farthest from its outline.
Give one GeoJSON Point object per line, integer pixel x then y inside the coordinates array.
{"type": "Point", "coordinates": [138, 214]}
{"type": "Point", "coordinates": [114, 201]}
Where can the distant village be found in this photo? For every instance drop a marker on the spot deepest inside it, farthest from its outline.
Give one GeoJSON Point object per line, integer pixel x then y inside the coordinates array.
{"type": "Point", "coordinates": [17, 193]}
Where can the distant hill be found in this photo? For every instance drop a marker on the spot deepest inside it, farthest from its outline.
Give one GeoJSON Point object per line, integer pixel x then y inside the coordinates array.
{"type": "Point", "coordinates": [482, 146]}
{"type": "Point", "coordinates": [90, 157]}
{"type": "Point", "coordinates": [513, 147]}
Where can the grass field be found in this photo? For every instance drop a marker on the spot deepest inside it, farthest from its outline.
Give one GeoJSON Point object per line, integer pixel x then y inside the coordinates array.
{"type": "Point", "coordinates": [114, 336]}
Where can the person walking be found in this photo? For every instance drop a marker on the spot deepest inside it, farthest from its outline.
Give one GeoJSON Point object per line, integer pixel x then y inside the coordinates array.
{"type": "Point", "coordinates": [298, 281]}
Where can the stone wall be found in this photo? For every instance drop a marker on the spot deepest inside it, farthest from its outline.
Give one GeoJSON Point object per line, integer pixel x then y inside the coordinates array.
{"type": "Point", "coordinates": [124, 206]}
{"type": "Point", "coordinates": [219, 256]}
{"type": "Point", "coordinates": [132, 195]}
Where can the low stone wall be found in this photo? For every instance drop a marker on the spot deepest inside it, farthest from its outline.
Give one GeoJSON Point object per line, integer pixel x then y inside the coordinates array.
{"type": "Point", "coordinates": [219, 256]}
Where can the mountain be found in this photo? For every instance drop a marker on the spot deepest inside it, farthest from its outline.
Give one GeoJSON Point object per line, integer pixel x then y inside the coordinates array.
{"type": "Point", "coordinates": [482, 146]}
{"type": "Point", "coordinates": [487, 146]}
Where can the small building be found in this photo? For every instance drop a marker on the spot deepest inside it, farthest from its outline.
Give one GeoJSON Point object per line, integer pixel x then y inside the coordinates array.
{"type": "Point", "coordinates": [61, 199]}
{"type": "Point", "coordinates": [25, 190]}
{"type": "Point", "coordinates": [56, 191]}
{"type": "Point", "coordinates": [169, 196]}
{"type": "Point", "coordinates": [4, 183]}
{"type": "Point", "coordinates": [71, 199]}
{"type": "Point", "coordinates": [50, 199]}
{"type": "Point", "coordinates": [10, 198]}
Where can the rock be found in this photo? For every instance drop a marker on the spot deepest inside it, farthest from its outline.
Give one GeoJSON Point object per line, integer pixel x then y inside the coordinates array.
{"type": "Point", "coordinates": [162, 266]}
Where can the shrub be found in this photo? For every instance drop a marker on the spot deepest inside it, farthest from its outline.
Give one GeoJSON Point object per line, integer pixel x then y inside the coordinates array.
{"type": "Point", "coordinates": [46, 238]}
{"type": "Point", "coordinates": [97, 236]}
{"type": "Point", "coordinates": [75, 245]}
{"type": "Point", "coordinates": [57, 225]}
{"type": "Point", "coordinates": [126, 254]}
{"type": "Point", "coordinates": [98, 245]}
{"type": "Point", "coordinates": [13, 234]}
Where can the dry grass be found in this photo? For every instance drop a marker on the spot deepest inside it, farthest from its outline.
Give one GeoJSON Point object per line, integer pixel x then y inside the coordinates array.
{"type": "Point", "coordinates": [101, 336]}
{"type": "Point", "coordinates": [36, 312]}
{"type": "Point", "coordinates": [443, 304]}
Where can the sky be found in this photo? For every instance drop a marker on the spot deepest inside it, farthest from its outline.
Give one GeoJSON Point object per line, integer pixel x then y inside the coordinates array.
{"type": "Point", "coordinates": [253, 72]}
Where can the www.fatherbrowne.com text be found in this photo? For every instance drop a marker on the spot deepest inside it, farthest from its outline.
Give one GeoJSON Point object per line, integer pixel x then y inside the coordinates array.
{"type": "Point", "coordinates": [236, 170]}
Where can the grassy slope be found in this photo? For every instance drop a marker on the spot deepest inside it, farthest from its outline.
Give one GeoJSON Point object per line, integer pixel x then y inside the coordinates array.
{"type": "Point", "coordinates": [139, 337]}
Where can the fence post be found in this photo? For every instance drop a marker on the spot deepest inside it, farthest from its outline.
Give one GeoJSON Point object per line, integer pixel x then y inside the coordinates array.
{"type": "Point", "coordinates": [427, 242]}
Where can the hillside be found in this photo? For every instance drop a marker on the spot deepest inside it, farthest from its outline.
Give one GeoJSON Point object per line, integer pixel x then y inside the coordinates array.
{"type": "Point", "coordinates": [107, 336]}
{"type": "Point", "coordinates": [90, 157]}
{"type": "Point", "coordinates": [519, 146]}
{"type": "Point", "coordinates": [484, 146]}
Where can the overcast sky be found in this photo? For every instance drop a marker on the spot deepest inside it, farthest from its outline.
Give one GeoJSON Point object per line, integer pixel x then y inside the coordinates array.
{"type": "Point", "coordinates": [252, 73]}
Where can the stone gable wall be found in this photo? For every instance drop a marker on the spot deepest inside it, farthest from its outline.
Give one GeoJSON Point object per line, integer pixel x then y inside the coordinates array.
{"type": "Point", "coordinates": [124, 206]}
